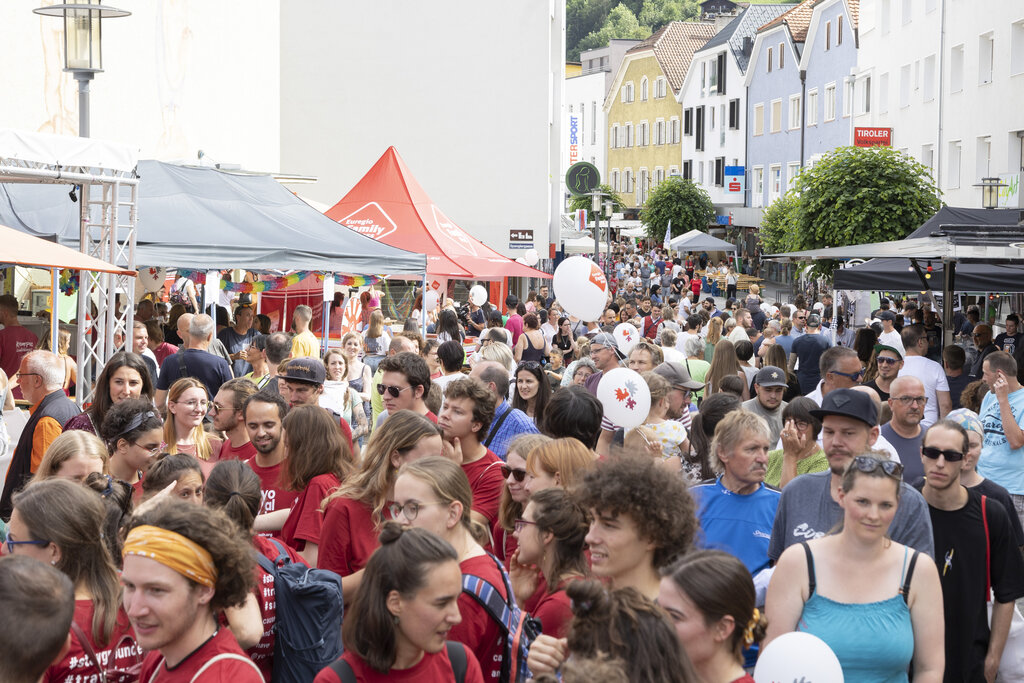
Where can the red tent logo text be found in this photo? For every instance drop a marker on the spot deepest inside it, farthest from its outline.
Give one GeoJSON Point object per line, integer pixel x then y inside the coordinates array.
{"type": "Point", "coordinates": [370, 220]}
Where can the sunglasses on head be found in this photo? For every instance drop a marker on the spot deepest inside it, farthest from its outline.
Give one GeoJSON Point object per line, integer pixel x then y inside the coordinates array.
{"type": "Point", "coordinates": [393, 390]}
{"type": "Point", "coordinates": [517, 474]}
{"type": "Point", "coordinates": [868, 464]}
{"type": "Point", "coordinates": [933, 453]}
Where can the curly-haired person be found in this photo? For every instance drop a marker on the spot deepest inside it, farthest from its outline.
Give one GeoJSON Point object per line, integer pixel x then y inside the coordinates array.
{"type": "Point", "coordinates": [182, 565]}
{"type": "Point", "coordinates": [642, 521]}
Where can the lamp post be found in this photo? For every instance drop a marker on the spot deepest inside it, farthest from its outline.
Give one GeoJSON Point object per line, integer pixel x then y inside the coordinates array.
{"type": "Point", "coordinates": [83, 45]}
{"type": "Point", "coordinates": [990, 192]}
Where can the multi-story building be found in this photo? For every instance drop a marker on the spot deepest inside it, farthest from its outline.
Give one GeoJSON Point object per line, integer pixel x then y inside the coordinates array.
{"type": "Point", "coordinates": [714, 97]}
{"type": "Point", "coordinates": [799, 93]}
{"type": "Point", "coordinates": [947, 79]}
{"type": "Point", "coordinates": [644, 119]}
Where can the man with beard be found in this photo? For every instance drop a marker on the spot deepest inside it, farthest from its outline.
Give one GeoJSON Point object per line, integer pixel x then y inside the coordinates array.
{"type": "Point", "coordinates": [890, 362]}
{"type": "Point", "coordinates": [737, 509]}
{"type": "Point", "coordinates": [975, 548]}
{"type": "Point", "coordinates": [808, 507]}
{"type": "Point", "coordinates": [769, 384]}
{"type": "Point", "coordinates": [907, 402]}
{"type": "Point", "coordinates": [465, 418]}
{"type": "Point", "coordinates": [228, 417]}
{"type": "Point", "coordinates": [263, 413]}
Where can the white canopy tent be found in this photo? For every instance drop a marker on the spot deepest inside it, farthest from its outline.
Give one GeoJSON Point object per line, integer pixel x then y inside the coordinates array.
{"type": "Point", "coordinates": [582, 245]}
{"type": "Point", "coordinates": [695, 240]}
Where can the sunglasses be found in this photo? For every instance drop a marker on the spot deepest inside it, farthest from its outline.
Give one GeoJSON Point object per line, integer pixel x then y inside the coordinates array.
{"type": "Point", "coordinates": [528, 365]}
{"type": "Point", "coordinates": [883, 360]}
{"type": "Point", "coordinates": [933, 453]}
{"type": "Point", "coordinates": [854, 376]}
{"type": "Point", "coordinates": [517, 474]}
{"type": "Point", "coordinates": [868, 464]}
{"type": "Point", "coordinates": [393, 390]}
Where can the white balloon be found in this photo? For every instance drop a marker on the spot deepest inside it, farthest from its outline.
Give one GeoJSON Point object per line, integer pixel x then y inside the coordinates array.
{"type": "Point", "coordinates": [626, 337]}
{"type": "Point", "coordinates": [581, 288]}
{"type": "Point", "coordinates": [625, 397]}
{"type": "Point", "coordinates": [430, 300]}
{"type": "Point", "coordinates": [798, 656]}
{"type": "Point", "coordinates": [531, 257]}
{"type": "Point", "coordinates": [522, 261]}
{"type": "Point", "coordinates": [478, 295]}
{"type": "Point", "coordinates": [151, 278]}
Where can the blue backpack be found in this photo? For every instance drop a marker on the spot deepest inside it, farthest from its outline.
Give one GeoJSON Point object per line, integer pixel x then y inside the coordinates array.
{"type": "Point", "coordinates": [310, 607]}
{"type": "Point", "coordinates": [520, 629]}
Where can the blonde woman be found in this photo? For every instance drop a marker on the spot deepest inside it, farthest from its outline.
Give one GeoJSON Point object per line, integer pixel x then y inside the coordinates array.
{"type": "Point", "coordinates": [187, 404]}
{"type": "Point", "coordinates": [713, 337]}
{"type": "Point", "coordinates": [73, 455]}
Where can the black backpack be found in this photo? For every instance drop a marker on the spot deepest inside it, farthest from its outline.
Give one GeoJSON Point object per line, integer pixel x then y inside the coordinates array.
{"type": "Point", "coordinates": [310, 607]}
{"type": "Point", "coordinates": [456, 655]}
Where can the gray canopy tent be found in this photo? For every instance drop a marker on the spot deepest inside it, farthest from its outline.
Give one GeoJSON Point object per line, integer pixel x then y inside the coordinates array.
{"type": "Point", "coordinates": [206, 219]}
{"type": "Point", "coordinates": [695, 240]}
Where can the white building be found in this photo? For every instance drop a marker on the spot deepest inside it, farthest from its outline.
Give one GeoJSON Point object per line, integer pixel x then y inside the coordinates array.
{"type": "Point", "coordinates": [948, 78]}
{"type": "Point", "coordinates": [714, 106]}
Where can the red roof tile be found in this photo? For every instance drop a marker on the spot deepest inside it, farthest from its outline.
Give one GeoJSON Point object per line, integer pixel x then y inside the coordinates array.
{"type": "Point", "coordinates": [798, 19]}
{"type": "Point", "coordinates": [673, 46]}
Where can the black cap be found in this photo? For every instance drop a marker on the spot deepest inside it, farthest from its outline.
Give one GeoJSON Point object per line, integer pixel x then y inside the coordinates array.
{"type": "Point", "coordinates": [305, 369]}
{"type": "Point", "coordinates": [887, 315]}
{"type": "Point", "coordinates": [848, 403]}
{"type": "Point", "coordinates": [770, 376]}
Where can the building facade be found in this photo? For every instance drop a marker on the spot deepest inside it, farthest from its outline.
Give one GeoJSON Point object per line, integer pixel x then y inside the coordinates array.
{"type": "Point", "coordinates": [644, 119]}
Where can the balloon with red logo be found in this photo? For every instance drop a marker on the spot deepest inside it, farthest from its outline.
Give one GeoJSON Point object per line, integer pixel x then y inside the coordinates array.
{"type": "Point", "coordinates": [626, 337]}
{"type": "Point", "coordinates": [625, 397]}
{"type": "Point", "coordinates": [581, 288]}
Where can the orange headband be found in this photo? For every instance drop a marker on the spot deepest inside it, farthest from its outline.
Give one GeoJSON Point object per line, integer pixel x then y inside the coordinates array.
{"type": "Point", "coordinates": [172, 550]}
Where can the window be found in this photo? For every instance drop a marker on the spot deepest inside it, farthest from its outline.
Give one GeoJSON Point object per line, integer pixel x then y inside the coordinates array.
{"type": "Point", "coordinates": [629, 135]}
{"type": "Point", "coordinates": [593, 123]}
{"type": "Point", "coordinates": [792, 171]}
{"type": "Point", "coordinates": [660, 87]}
{"type": "Point", "coordinates": [674, 130]}
{"type": "Point", "coordinates": [711, 117]}
{"type": "Point", "coordinates": [956, 69]}
{"type": "Point", "coordinates": [839, 30]}
{"type": "Point", "coordinates": [847, 96]}
{"type": "Point", "coordinates": [905, 85]}
{"type": "Point", "coordinates": [720, 172]}
{"type": "Point", "coordinates": [771, 55]}
{"type": "Point", "coordinates": [720, 68]}
{"type": "Point", "coordinates": [928, 77]}
{"type": "Point", "coordinates": [812, 107]}
{"type": "Point", "coordinates": [828, 35]}
{"type": "Point", "coordinates": [615, 180]}
{"type": "Point", "coordinates": [614, 137]}
{"type": "Point", "coordinates": [758, 196]}
{"type": "Point", "coordinates": [643, 89]}
{"type": "Point", "coordinates": [794, 112]}
{"type": "Point", "coordinates": [703, 78]}
{"type": "Point", "coordinates": [775, 120]}
{"type": "Point", "coordinates": [700, 173]}
{"type": "Point", "coordinates": [734, 114]}
{"type": "Point", "coordinates": [775, 182]}
{"type": "Point", "coordinates": [643, 186]}
{"type": "Point", "coordinates": [907, 9]}
{"type": "Point", "coordinates": [642, 136]}
{"type": "Point", "coordinates": [698, 125]}
{"type": "Point", "coordinates": [928, 157]}
{"type": "Point", "coordinates": [688, 170]}
{"type": "Point", "coordinates": [782, 56]}
{"type": "Point", "coordinates": [883, 93]}
{"type": "Point", "coordinates": [986, 58]}
{"type": "Point", "coordinates": [885, 15]}
{"type": "Point", "coordinates": [627, 180]}
{"type": "Point", "coordinates": [830, 102]}
{"type": "Point", "coordinates": [983, 158]}
{"type": "Point", "coordinates": [758, 119]}
{"type": "Point", "coordinates": [659, 132]}
{"type": "Point", "coordinates": [1017, 48]}
{"type": "Point", "coordinates": [862, 95]}
{"type": "Point", "coordinates": [953, 177]}
{"type": "Point", "coordinates": [659, 176]}
{"type": "Point", "coordinates": [673, 171]}
{"type": "Point", "coordinates": [688, 122]}
{"type": "Point", "coordinates": [713, 77]}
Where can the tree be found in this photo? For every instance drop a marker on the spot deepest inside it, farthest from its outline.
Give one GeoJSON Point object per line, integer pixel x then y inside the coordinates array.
{"type": "Point", "coordinates": [657, 13]}
{"type": "Point", "coordinates": [777, 225]}
{"type": "Point", "coordinates": [583, 17]}
{"type": "Point", "coordinates": [681, 201]}
{"type": "Point", "coordinates": [621, 23]}
{"type": "Point", "coordinates": [577, 202]}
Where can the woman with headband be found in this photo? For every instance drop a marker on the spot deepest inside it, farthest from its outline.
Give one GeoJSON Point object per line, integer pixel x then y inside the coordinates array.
{"type": "Point", "coordinates": [124, 376]}
{"type": "Point", "coordinates": [132, 431]}
{"type": "Point", "coordinates": [182, 565]}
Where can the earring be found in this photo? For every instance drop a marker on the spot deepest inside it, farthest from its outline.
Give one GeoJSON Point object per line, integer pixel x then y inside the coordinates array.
{"type": "Point", "coordinates": [53, 562]}
{"type": "Point", "coordinates": [395, 617]}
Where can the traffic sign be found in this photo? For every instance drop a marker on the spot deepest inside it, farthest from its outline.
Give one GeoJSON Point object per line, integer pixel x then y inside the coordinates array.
{"type": "Point", "coordinates": [582, 178]}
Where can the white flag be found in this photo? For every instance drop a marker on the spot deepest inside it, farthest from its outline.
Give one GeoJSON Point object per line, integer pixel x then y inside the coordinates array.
{"type": "Point", "coordinates": [668, 234]}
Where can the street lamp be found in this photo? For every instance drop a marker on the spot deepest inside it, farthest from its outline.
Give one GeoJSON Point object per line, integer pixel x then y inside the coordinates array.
{"type": "Point", "coordinates": [990, 192]}
{"type": "Point", "coordinates": [83, 45]}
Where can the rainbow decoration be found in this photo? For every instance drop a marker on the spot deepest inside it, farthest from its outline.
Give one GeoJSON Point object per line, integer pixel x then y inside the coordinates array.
{"type": "Point", "coordinates": [68, 281]}
{"type": "Point", "coordinates": [199, 277]}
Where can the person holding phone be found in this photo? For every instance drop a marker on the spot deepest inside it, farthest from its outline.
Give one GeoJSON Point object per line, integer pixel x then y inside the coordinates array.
{"type": "Point", "coordinates": [1002, 411]}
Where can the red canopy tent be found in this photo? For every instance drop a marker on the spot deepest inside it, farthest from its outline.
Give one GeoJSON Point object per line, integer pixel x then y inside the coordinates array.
{"type": "Point", "coordinates": [388, 205]}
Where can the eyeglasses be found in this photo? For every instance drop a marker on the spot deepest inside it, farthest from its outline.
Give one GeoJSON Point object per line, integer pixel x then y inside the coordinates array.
{"type": "Point", "coordinates": [152, 450]}
{"type": "Point", "coordinates": [853, 376]}
{"type": "Point", "coordinates": [868, 465]}
{"type": "Point", "coordinates": [907, 400]}
{"type": "Point", "coordinates": [933, 453]}
{"type": "Point", "coordinates": [409, 510]}
{"type": "Point", "coordinates": [885, 360]}
{"type": "Point", "coordinates": [11, 544]}
{"type": "Point", "coordinates": [393, 390]}
{"type": "Point", "coordinates": [19, 375]}
{"type": "Point", "coordinates": [801, 424]}
{"type": "Point", "coordinates": [193, 404]}
{"type": "Point", "coordinates": [521, 524]}
{"type": "Point", "coordinates": [216, 408]}
{"type": "Point", "coordinates": [517, 474]}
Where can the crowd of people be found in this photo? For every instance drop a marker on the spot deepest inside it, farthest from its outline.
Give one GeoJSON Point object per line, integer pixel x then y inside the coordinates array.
{"type": "Point", "coordinates": [483, 516]}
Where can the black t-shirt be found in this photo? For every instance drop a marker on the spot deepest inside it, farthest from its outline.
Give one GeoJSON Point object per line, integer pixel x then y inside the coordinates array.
{"type": "Point", "coordinates": [1008, 342]}
{"type": "Point", "coordinates": [678, 284]}
{"type": "Point", "coordinates": [209, 369]}
{"type": "Point", "coordinates": [956, 387]}
{"type": "Point", "coordinates": [884, 395]}
{"type": "Point", "coordinates": [960, 556]}
{"type": "Point", "coordinates": [994, 491]}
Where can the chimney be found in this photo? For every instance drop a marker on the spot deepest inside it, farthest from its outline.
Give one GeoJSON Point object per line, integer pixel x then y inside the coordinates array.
{"type": "Point", "coordinates": [748, 45]}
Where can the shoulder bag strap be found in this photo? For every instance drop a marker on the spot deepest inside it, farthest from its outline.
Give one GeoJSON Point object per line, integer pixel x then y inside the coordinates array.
{"type": "Point", "coordinates": [344, 671]}
{"type": "Point", "coordinates": [988, 550]}
{"type": "Point", "coordinates": [905, 589]}
{"type": "Point", "coordinates": [495, 427]}
{"type": "Point", "coordinates": [83, 640]}
{"type": "Point", "coordinates": [457, 658]}
{"type": "Point", "coordinates": [811, 583]}
{"type": "Point", "coordinates": [222, 657]}
{"type": "Point", "coordinates": [182, 367]}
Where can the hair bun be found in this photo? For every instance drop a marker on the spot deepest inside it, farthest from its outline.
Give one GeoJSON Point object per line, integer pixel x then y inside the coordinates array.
{"type": "Point", "coordinates": [588, 597]}
{"type": "Point", "coordinates": [391, 532]}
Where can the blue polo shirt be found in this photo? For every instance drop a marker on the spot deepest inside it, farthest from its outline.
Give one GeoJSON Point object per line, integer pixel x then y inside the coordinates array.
{"type": "Point", "coordinates": [738, 524]}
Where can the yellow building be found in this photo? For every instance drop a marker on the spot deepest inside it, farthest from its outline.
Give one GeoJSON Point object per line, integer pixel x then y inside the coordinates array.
{"type": "Point", "coordinates": [573, 69]}
{"type": "Point", "coordinates": [644, 118]}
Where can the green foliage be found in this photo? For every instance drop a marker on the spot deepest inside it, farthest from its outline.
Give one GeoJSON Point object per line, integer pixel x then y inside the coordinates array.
{"type": "Point", "coordinates": [592, 23]}
{"type": "Point", "coordinates": [621, 23]}
{"type": "Point", "coordinates": [584, 201]}
{"type": "Point", "coordinates": [683, 202]}
{"type": "Point", "coordinates": [583, 17]}
{"type": "Point", "coordinates": [657, 13]}
{"type": "Point", "coordinates": [778, 228]}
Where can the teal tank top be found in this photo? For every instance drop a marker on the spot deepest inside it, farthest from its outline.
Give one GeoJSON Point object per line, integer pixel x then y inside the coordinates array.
{"type": "Point", "coordinates": [873, 641]}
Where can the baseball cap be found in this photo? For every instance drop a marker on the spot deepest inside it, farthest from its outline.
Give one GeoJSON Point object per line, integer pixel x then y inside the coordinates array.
{"type": "Point", "coordinates": [309, 370]}
{"type": "Point", "coordinates": [677, 375]}
{"type": "Point", "coordinates": [606, 339]}
{"type": "Point", "coordinates": [848, 403]}
{"type": "Point", "coordinates": [770, 376]}
{"type": "Point", "coordinates": [814, 320]}
{"type": "Point", "coordinates": [882, 347]}
{"type": "Point", "coordinates": [887, 315]}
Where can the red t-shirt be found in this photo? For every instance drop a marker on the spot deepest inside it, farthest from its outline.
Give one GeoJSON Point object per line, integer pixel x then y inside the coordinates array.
{"type": "Point", "coordinates": [531, 603]}
{"type": "Point", "coordinates": [305, 520]}
{"type": "Point", "coordinates": [243, 452]}
{"type": "Point", "coordinates": [275, 495]}
{"type": "Point", "coordinates": [695, 285]}
{"type": "Point", "coordinates": [505, 544]}
{"type": "Point", "coordinates": [262, 653]}
{"type": "Point", "coordinates": [430, 416]}
{"type": "Point", "coordinates": [223, 671]}
{"type": "Point", "coordinates": [486, 480]}
{"type": "Point", "coordinates": [15, 342]}
{"type": "Point", "coordinates": [120, 653]}
{"type": "Point", "coordinates": [163, 350]}
{"type": "Point", "coordinates": [554, 611]}
{"type": "Point", "coordinates": [478, 630]}
{"type": "Point", "coordinates": [348, 536]}
{"type": "Point", "coordinates": [433, 668]}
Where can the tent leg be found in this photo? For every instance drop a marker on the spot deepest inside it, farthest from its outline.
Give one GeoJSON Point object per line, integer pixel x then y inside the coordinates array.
{"type": "Point", "coordinates": [325, 313]}
{"type": "Point", "coordinates": [423, 307]}
{"type": "Point", "coordinates": [948, 279]}
{"type": "Point", "coordinates": [54, 308]}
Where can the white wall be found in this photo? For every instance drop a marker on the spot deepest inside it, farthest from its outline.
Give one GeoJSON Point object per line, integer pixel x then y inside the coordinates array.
{"type": "Point", "coordinates": [905, 46]}
{"type": "Point", "coordinates": [180, 76]}
{"type": "Point", "coordinates": [468, 91]}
